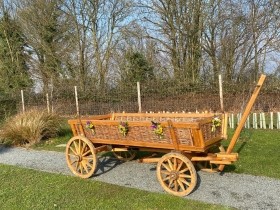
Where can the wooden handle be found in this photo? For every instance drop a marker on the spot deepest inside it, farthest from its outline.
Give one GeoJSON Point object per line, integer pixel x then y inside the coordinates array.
{"type": "Point", "coordinates": [244, 117]}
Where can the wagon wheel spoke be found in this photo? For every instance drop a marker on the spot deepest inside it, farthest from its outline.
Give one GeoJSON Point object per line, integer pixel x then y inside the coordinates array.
{"type": "Point", "coordinates": [81, 167]}
{"type": "Point", "coordinates": [170, 183]}
{"type": "Point", "coordinates": [83, 148]}
{"type": "Point", "coordinates": [170, 164]}
{"type": "Point", "coordinates": [85, 166]}
{"type": "Point", "coordinates": [184, 181]}
{"type": "Point", "coordinates": [80, 152]}
{"type": "Point", "coordinates": [174, 163]}
{"type": "Point", "coordinates": [80, 156]}
{"type": "Point", "coordinates": [185, 176]}
{"type": "Point", "coordinates": [166, 167]}
{"type": "Point", "coordinates": [176, 174]}
{"type": "Point", "coordinates": [87, 158]}
{"type": "Point", "coordinates": [77, 165]}
{"type": "Point", "coordinates": [181, 184]}
{"type": "Point", "coordinates": [75, 161]}
{"type": "Point", "coordinates": [75, 153]}
{"type": "Point", "coordinates": [88, 164]}
{"type": "Point", "coordinates": [86, 153]}
{"type": "Point", "coordinates": [180, 165]}
{"type": "Point", "coordinates": [166, 178]}
{"type": "Point", "coordinates": [175, 186]}
{"type": "Point", "coordinates": [165, 172]}
{"type": "Point", "coordinates": [184, 170]}
{"type": "Point", "coordinates": [76, 147]}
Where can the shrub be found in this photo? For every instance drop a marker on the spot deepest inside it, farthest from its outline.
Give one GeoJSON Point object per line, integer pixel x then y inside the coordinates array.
{"type": "Point", "coordinates": [30, 127]}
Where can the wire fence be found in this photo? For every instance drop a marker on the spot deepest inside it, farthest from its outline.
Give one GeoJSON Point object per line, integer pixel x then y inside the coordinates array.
{"type": "Point", "coordinates": [146, 97]}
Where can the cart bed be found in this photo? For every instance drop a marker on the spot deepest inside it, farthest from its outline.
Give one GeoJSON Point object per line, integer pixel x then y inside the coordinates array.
{"type": "Point", "coordinates": [182, 132]}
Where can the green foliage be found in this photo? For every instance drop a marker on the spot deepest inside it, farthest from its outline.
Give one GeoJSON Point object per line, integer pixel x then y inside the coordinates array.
{"type": "Point", "coordinates": [13, 66]}
{"type": "Point", "coordinates": [137, 68]}
{"type": "Point", "coordinates": [30, 127]}
{"type": "Point", "coordinates": [7, 106]}
{"type": "Point", "coordinates": [30, 189]}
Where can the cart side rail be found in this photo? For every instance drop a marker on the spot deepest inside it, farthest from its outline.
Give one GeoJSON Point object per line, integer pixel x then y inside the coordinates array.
{"type": "Point", "coordinates": [193, 135]}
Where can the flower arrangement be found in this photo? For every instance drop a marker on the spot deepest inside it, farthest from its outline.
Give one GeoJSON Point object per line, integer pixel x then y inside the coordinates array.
{"type": "Point", "coordinates": [89, 125]}
{"type": "Point", "coordinates": [216, 122]}
{"type": "Point", "coordinates": [157, 128]}
{"type": "Point", "coordinates": [123, 128]}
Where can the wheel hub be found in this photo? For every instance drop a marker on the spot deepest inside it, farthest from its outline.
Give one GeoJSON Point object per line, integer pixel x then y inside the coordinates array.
{"type": "Point", "coordinates": [174, 175]}
{"type": "Point", "coordinates": [80, 158]}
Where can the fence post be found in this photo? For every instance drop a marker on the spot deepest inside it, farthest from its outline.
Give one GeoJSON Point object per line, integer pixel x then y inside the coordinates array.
{"type": "Point", "coordinates": [261, 121]}
{"type": "Point", "coordinates": [271, 120]}
{"type": "Point", "coordinates": [22, 101]}
{"type": "Point", "coordinates": [278, 120]}
{"type": "Point", "coordinates": [232, 120]}
{"type": "Point", "coordinates": [264, 121]}
{"type": "Point", "coordinates": [48, 103]}
{"type": "Point", "coordinates": [139, 97]}
{"type": "Point", "coordinates": [255, 121]}
{"type": "Point", "coordinates": [248, 122]}
{"type": "Point", "coordinates": [77, 102]}
{"type": "Point", "coordinates": [221, 92]}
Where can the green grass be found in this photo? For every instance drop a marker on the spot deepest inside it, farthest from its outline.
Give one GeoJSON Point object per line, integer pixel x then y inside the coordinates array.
{"type": "Point", "coordinates": [30, 189]}
{"type": "Point", "coordinates": [259, 153]}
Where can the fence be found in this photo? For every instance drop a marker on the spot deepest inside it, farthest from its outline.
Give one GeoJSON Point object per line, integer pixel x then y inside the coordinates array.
{"type": "Point", "coordinates": [255, 120]}
{"type": "Point", "coordinates": [149, 96]}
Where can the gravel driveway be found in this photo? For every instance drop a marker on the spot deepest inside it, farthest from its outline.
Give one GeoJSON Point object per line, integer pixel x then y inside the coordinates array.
{"type": "Point", "coordinates": [236, 190]}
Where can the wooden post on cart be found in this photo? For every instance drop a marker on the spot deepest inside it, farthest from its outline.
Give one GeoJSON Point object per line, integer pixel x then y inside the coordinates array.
{"type": "Point", "coordinates": [244, 117]}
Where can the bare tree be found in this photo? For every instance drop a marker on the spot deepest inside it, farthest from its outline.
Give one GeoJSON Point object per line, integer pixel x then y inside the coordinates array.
{"type": "Point", "coordinates": [44, 28]}
{"type": "Point", "coordinates": [238, 36]}
{"type": "Point", "coordinates": [176, 25]}
{"type": "Point", "coordinates": [106, 19]}
{"type": "Point", "coordinates": [79, 58]}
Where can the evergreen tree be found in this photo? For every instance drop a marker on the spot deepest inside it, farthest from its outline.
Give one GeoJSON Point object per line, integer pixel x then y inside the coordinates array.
{"type": "Point", "coordinates": [137, 69]}
{"type": "Point", "coordinates": [13, 68]}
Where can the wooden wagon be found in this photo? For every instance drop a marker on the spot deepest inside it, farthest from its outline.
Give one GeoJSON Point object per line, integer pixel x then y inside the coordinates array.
{"type": "Point", "coordinates": [186, 140]}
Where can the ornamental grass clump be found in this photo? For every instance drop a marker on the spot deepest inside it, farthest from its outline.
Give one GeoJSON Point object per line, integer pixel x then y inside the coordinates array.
{"type": "Point", "coordinates": [28, 128]}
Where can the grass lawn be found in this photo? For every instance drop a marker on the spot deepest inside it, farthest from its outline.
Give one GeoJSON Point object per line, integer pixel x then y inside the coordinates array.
{"type": "Point", "coordinates": [258, 153]}
{"type": "Point", "coordinates": [30, 189]}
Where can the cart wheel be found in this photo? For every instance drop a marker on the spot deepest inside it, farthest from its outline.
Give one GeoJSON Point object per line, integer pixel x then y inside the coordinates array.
{"type": "Point", "coordinates": [124, 155]}
{"type": "Point", "coordinates": [176, 174]}
{"type": "Point", "coordinates": [80, 156]}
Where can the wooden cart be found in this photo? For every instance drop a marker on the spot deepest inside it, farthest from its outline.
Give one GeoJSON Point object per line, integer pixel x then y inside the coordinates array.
{"type": "Point", "coordinates": [185, 139]}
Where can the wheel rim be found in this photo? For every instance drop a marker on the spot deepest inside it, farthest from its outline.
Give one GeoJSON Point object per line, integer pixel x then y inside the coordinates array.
{"type": "Point", "coordinates": [176, 174]}
{"type": "Point", "coordinates": [125, 155]}
{"type": "Point", "coordinates": [80, 156]}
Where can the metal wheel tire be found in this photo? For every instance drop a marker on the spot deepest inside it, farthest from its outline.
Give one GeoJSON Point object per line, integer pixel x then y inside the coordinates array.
{"type": "Point", "coordinates": [80, 156]}
{"type": "Point", "coordinates": [176, 174]}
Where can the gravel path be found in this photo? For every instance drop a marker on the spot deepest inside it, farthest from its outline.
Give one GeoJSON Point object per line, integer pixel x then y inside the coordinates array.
{"type": "Point", "coordinates": [236, 190]}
